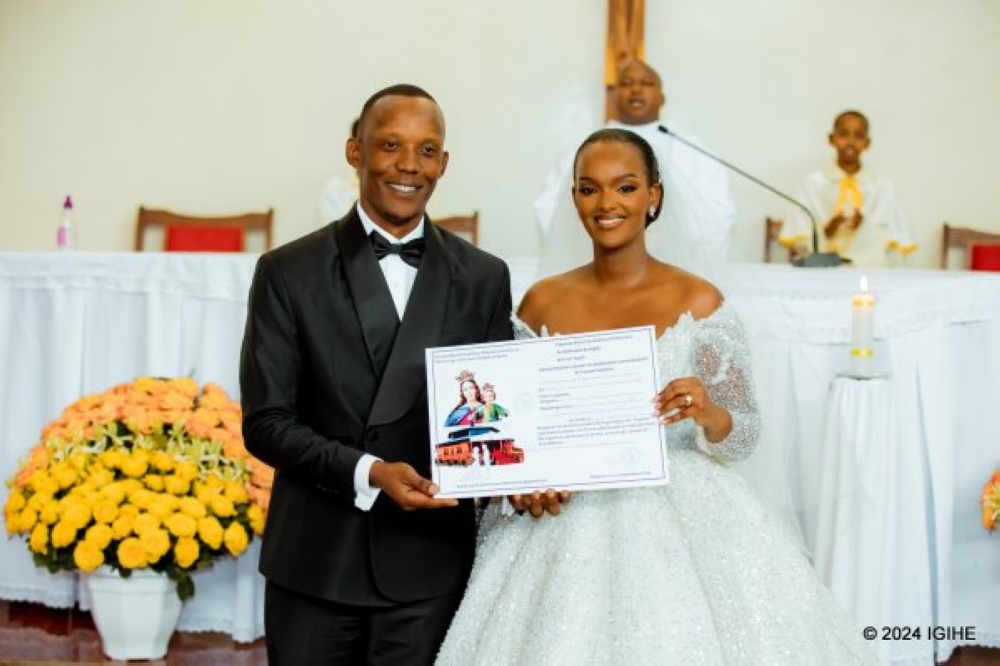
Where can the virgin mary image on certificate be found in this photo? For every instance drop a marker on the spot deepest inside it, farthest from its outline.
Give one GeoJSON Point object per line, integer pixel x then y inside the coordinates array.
{"type": "Point", "coordinates": [470, 399]}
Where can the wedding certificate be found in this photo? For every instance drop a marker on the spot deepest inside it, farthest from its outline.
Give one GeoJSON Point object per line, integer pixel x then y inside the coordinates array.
{"type": "Point", "coordinates": [570, 412]}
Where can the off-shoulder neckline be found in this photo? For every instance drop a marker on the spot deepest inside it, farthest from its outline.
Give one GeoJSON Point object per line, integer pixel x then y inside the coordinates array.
{"type": "Point", "coordinates": [686, 318]}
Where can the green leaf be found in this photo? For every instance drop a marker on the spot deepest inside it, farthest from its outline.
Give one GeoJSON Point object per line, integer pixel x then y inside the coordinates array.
{"type": "Point", "coordinates": [185, 587]}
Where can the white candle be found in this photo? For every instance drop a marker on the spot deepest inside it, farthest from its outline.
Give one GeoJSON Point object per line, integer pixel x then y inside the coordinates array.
{"type": "Point", "coordinates": [862, 331]}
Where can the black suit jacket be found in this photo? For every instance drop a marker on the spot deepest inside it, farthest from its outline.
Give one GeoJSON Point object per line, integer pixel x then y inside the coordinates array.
{"type": "Point", "coordinates": [328, 373]}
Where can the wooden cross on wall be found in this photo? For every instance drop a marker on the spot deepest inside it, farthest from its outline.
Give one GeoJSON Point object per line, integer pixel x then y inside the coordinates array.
{"type": "Point", "coordinates": [626, 40]}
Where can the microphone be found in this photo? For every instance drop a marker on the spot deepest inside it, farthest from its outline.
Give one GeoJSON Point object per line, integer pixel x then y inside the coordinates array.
{"type": "Point", "coordinates": [816, 259]}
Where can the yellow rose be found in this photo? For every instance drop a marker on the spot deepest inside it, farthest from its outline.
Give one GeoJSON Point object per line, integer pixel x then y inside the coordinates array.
{"type": "Point", "coordinates": [236, 492]}
{"type": "Point", "coordinates": [130, 510]}
{"type": "Point", "coordinates": [114, 492]}
{"type": "Point", "coordinates": [186, 552]}
{"type": "Point", "coordinates": [26, 521]}
{"type": "Point", "coordinates": [39, 541]}
{"type": "Point", "coordinates": [186, 470]}
{"type": "Point", "coordinates": [64, 475]}
{"type": "Point", "coordinates": [154, 482]}
{"type": "Point", "coordinates": [236, 538]}
{"type": "Point", "coordinates": [221, 506]}
{"type": "Point", "coordinates": [42, 483]}
{"type": "Point", "coordinates": [163, 461]}
{"type": "Point", "coordinates": [49, 513]}
{"type": "Point", "coordinates": [112, 458]}
{"type": "Point", "coordinates": [132, 486]}
{"type": "Point", "coordinates": [214, 483]}
{"type": "Point", "coordinates": [210, 531]}
{"type": "Point", "coordinates": [163, 506]}
{"type": "Point", "coordinates": [156, 542]}
{"type": "Point", "coordinates": [122, 526]}
{"type": "Point", "coordinates": [79, 461]}
{"type": "Point", "coordinates": [132, 554]}
{"type": "Point", "coordinates": [77, 514]}
{"type": "Point", "coordinates": [105, 511]}
{"type": "Point", "coordinates": [14, 504]}
{"type": "Point", "coordinates": [185, 386]}
{"type": "Point", "coordinates": [175, 485]}
{"type": "Point", "coordinates": [136, 464]}
{"type": "Point", "coordinates": [203, 493]}
{"type": "Point", "coordinates": [63, 534]}
{"type": "Point", "coordinates": [100, 477]}
{"type": "Point", "coordinates": [147, 384]}
{"type": "Point", "coordinates": [38, 501]}
{"type": "Point", "coordinates": [87, 556]}
{"type": "Point", "coordinates": [181, 525]}
{"type": "Point", "coordinates": [256, 516]}
{"type": "Point", "coordinates": [191, 507]}
{"type": "Point", "coordinates": [142, 498]}
{"type": "Point", "coordinates": [145, 522]}
{"type": "Point", "coordinates": [100, 535]}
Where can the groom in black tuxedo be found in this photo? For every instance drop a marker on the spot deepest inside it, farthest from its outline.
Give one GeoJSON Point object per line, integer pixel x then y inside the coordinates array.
{"type": "Point", "coordinates": [363, 564]}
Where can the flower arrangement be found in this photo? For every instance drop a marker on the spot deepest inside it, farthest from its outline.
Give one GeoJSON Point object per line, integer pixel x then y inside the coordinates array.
{"type": "Point", "coordinates": [991, 502]}
{"type": "Point", "coordinates": [151, 474]}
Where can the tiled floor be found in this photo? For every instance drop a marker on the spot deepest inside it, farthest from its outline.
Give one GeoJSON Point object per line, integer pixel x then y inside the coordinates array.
{"type": "Point", "coordinates": [36, 635]}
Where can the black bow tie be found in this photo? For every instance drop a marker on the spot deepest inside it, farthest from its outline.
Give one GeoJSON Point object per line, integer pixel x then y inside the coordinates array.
{"type": "Point", "coordinates": [408, 252]}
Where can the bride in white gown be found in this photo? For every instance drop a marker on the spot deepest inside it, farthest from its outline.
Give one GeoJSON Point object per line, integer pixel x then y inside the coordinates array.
{"type": "Point", "coordinates": [693, 572]}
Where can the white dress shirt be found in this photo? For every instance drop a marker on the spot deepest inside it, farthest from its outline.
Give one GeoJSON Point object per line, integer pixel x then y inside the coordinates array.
{"type": "Point", "coordinates": [399, 276]}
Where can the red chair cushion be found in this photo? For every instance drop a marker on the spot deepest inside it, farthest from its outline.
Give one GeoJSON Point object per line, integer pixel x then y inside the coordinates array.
{"type": "Point", "coordinates": [192, 238]}
{"type": "Point", "coordinates": [984, 257]}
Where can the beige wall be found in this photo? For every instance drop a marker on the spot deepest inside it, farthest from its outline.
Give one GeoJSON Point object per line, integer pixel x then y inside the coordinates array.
{"type": "Point", "coordinates": [223, 106]}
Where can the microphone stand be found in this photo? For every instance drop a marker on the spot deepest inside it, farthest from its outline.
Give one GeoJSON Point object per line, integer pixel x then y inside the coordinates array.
{"type": "Point", "coordinates": [816, 259]}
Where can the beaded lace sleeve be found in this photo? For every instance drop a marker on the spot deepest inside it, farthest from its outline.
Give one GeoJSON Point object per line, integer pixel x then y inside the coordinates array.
{"type": "Point", "coordinates": [722, 362]}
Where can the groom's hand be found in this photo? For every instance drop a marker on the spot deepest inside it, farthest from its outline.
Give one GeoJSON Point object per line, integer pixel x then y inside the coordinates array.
{"type": "Point", "coordinates": [406, 488]}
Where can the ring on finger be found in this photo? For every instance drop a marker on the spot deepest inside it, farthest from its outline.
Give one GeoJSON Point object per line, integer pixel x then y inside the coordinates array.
{"type": "Point", "coordinates": [688, 400]}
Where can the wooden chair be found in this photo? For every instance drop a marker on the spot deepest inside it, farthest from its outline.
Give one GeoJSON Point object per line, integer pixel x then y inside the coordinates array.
{"type": "Point", "coordinates": [964, 239]}
{"type": "Point", "coordinates": [772, 231]}
{"type": "Point", "coordinates": [187, 233]}
{"type": "Point", "coordinates": [466, 226]}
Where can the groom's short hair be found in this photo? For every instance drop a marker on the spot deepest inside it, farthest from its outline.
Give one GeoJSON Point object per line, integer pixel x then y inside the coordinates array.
{"type": "Point", "coordinates": [400, 90]}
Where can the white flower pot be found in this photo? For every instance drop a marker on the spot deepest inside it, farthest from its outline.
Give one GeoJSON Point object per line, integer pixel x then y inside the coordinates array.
{"type": "Point", "coordinates": [135, 616]}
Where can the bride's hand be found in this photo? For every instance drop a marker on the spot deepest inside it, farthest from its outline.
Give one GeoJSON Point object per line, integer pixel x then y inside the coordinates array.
{"type": "Point", "coordinates": [538, 502]}
{"type": "Point", "coordinates": [685, 398]}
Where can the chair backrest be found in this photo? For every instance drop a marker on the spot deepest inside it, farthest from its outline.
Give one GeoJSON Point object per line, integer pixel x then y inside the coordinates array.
{"type": "Point", "coordinates": [188, 233]}
{"type": "Point", "coordinates": [466, 226]}
{"type": "Point", "coordinates": [984, 256]}
{"type": "Point", "coordinates": [772, 231]}
{"type": "Point", "coordinates": [963, 238]}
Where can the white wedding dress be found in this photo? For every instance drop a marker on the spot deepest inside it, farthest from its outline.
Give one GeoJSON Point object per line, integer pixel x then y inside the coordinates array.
{"type": "Point", "coordinates": [696, 572]}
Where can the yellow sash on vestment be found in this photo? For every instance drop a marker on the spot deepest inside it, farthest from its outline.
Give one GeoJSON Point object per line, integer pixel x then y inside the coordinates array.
{"type": "Point", "coordinates": [849, 197]}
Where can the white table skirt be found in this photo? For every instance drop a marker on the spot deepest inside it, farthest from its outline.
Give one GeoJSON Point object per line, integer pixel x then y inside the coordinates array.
{"type": "Point", "coordinates": [864, 553]}
{"type": "Point", "coordinates": [80, 322]}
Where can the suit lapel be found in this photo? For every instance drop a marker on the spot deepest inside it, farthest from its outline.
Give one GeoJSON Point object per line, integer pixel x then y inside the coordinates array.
{"type": "Point", "coordinates": [405, 375]}
{"type": "Point", "coordinates": [372, 300]}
